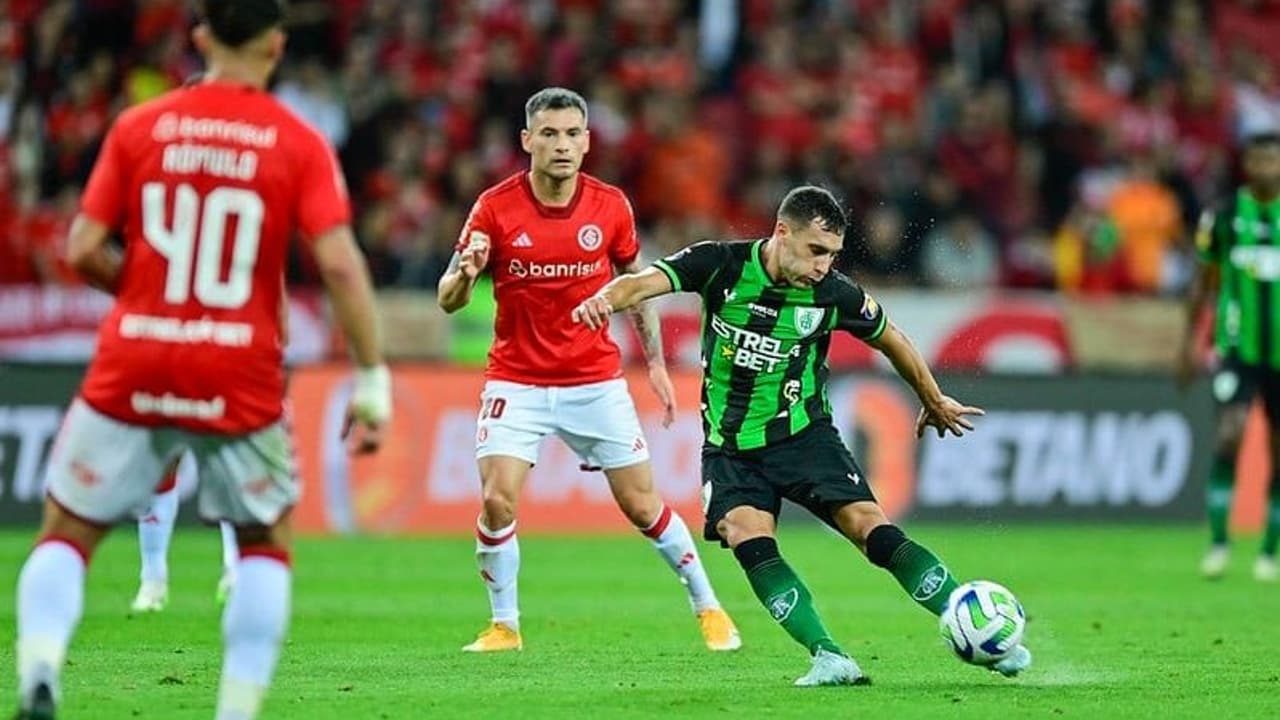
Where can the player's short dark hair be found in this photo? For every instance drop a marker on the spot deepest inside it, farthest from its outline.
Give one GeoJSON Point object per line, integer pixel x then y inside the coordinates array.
{"type": "Point", "coordinates": [1260, 140]}
{"type": "Point", "coordinates": [236, 22]}
{"type": "Point", "coordinates": [553, 98]}
{"type": "Point", "coordinates": [807, 203]}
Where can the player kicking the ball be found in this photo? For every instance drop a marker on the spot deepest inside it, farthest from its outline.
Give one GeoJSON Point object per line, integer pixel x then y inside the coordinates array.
{"type": "Point", "coordinates": [769, 309]}
{"type": "Point", "coordinates": [550, 238]}
{"type": "Point", "coordinates": [208, 183]}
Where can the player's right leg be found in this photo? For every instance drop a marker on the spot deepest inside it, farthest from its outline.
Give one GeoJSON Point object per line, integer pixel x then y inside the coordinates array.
{"type": "Point", "coordinates": [98, 471]}
{"type": "Point", "coordinates": [50, 603]}
{"type": "Point", "coordinates": [741, 507]}
{"type": "Point", "coordinates": [749, 532]}
{"type": "Point", "coordinates": [1233, 389]}
{"type": "Point", "coordinates": [513, 420]}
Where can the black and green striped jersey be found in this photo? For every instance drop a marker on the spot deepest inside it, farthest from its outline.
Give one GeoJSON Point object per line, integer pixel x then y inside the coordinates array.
{"type": "Point", "coordinates": [1241, 239]}
{"type": "Point", "coordinates": [764, 344]}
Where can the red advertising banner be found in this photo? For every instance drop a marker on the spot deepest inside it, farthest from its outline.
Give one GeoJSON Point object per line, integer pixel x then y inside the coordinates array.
{"type": "Point", "coordinates": [1046, 450]}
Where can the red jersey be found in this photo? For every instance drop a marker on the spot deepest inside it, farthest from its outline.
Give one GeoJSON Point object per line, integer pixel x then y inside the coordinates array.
{"type": "Point", "coordinates": [207, 185]}
{"type": "Point", "coordinates": [544, 261]}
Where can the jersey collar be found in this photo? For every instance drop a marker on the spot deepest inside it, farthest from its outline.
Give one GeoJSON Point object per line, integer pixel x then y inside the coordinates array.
{"type": "Point", "coordinates": [547, 210]}
{"type": "Point", "coordinates": [757, 257]}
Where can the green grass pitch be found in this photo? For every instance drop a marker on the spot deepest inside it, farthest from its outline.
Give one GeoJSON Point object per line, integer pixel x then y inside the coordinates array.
{"type": "Point", "coordinates": [1121, 627]}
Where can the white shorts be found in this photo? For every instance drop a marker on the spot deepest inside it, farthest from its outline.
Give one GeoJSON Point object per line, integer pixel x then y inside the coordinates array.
{"type": "Point", "coordinates": [104, 470]}
{"type": "Point", "coordinates": [597, 421]}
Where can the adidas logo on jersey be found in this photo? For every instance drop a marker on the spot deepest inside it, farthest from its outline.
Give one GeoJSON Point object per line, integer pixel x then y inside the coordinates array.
{"type": "Point", "coordinates": [522, 241]}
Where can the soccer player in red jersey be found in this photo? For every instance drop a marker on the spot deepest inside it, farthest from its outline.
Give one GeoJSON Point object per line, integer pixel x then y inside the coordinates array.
{"type": "Point", "coordinates": [207, 185]}
{"type": "Point", "coordinates": [551, 237]}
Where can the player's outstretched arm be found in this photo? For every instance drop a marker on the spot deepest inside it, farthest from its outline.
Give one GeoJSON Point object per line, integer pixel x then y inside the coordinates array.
{"type": "Point", "coordinates": [622, 293]}
{"type": "Point", "coordinates": [346, 277]}
{"type": "Point", "coordinates": [88, 252]}
{"type": "Point", "coordinates": [937, 410]}
{"type": "Point", "coordinates": [453, 291]}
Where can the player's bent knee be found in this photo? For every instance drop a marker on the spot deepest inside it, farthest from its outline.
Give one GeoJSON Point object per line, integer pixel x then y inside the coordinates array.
{"type": "Point", "coordinates": [744, 524]}
{"type": "Point", "coordinates": [499, 509]}
{"type": "Point", "coordinates": [641, 509]}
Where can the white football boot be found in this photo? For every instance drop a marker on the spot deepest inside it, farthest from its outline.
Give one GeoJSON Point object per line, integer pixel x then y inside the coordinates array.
{"type": "Point", "coordinates": [832, 669]}
{"type": "Point", "coordinates": [1014, 663]}
{"type": "Point", "coordinates": [1214, 564]}
{"type": "Point", "coordinates": [153, 596]}
{"type": "Point", "coordinates": [1265, 570]}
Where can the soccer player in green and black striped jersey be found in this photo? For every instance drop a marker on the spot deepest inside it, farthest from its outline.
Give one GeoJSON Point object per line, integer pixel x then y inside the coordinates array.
{"type": "Point", "coordinates": [1239, 246]}
{"type": "Point", "coordinates": [769, 308]}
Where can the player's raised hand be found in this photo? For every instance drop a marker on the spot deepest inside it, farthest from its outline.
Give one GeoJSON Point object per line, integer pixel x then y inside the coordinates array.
{"type": "Point", "coordinates": [946, 414]}
{"type": "Point", "coordinates": [660, 381]}
{"type": "Point", "coordinates": [369, 410]}
{"type": "Point", "coordinates": [475, 256]}
{"type": "Point", "coordinates": [594, 312]}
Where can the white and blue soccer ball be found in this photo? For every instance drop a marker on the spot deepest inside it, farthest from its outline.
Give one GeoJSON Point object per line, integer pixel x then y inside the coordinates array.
{"type": "Point", "coordinates": [983, 622]}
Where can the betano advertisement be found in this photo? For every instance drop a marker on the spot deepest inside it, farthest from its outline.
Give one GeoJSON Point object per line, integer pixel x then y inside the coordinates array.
{"type": "Point", "coordinates": [1084, 448]}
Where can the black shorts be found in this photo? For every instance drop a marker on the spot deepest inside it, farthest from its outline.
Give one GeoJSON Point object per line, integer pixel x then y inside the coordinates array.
{"type": "Point", "coordinates": [1236, 383]}
{"type": "Point", "coordinates": [812, 468]}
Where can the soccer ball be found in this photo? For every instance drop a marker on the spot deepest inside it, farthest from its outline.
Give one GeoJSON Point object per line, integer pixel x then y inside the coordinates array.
{"type": "Point", "coordinates": [983, 622]}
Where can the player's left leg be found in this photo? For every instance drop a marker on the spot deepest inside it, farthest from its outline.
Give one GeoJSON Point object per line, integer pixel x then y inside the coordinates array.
{"type": "Point", "coordinates": [155, 532]}
{"type": "Point", "coordinates": [920, 572]}
{"type": "Point", "coordinates": [599, 422]}
{"type": "Point", "coordinates": [1234, 386]}
{"type": "Point", "coordinates": [230, 559]}
{"type": "Point", "coordinates": [820, 473]}
{"type": "Point", "coordinates": [251, 481]}
{"type": "Point", "coordinates": [632, 487]}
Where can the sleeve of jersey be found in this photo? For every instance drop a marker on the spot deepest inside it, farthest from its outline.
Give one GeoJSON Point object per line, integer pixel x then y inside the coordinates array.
{"type": "Point", "coordinates": [104, 197]}
{"type": "Point", "coordinates": [859, 314]}
{"type": "Point", "coordinates": [693, 267]}
{"type": "Point", "coordinates": [478, 221]}
{"type": "Point", "coordinates": [626, 243]}
{"type": "Point", "coordinates": [323, 203]}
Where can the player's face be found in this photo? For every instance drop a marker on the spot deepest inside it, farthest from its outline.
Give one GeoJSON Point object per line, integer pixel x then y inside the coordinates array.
{"type": "Point", "coordinates": [1262, 165]}
{"type": "Point", "coordinates": [557, 142]}
{"type": "Point", "coordinates": [806, 253]}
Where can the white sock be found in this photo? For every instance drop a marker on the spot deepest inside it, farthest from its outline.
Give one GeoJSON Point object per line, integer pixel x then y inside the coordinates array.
{"type": "Point", "coordinates": [673, 542]}
{"type": "Point", "coordinates": [155, 531]}
{"type": "Point", "coordinates": [498, 554]}
{"type": "Point", "coordinates": [50, 602]}
{"type": "Point", "coordinates": [230, 550]}
{"type": "Point", "coordinates": [253, 626]}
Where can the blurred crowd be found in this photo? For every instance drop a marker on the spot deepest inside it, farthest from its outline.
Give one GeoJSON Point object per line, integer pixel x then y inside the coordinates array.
{"type": "Point", "coordinates": [1064, 144]}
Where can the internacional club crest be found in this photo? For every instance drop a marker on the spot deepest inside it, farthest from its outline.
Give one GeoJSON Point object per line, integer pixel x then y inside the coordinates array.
{"type": "Point", "coordinates": [590, 237]}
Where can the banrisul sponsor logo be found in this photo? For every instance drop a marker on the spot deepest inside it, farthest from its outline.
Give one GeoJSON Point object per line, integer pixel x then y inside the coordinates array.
{"type": "Point", "coordinates": [781, 605]}
{"type": "Point", "coordinates": [931, 583]}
